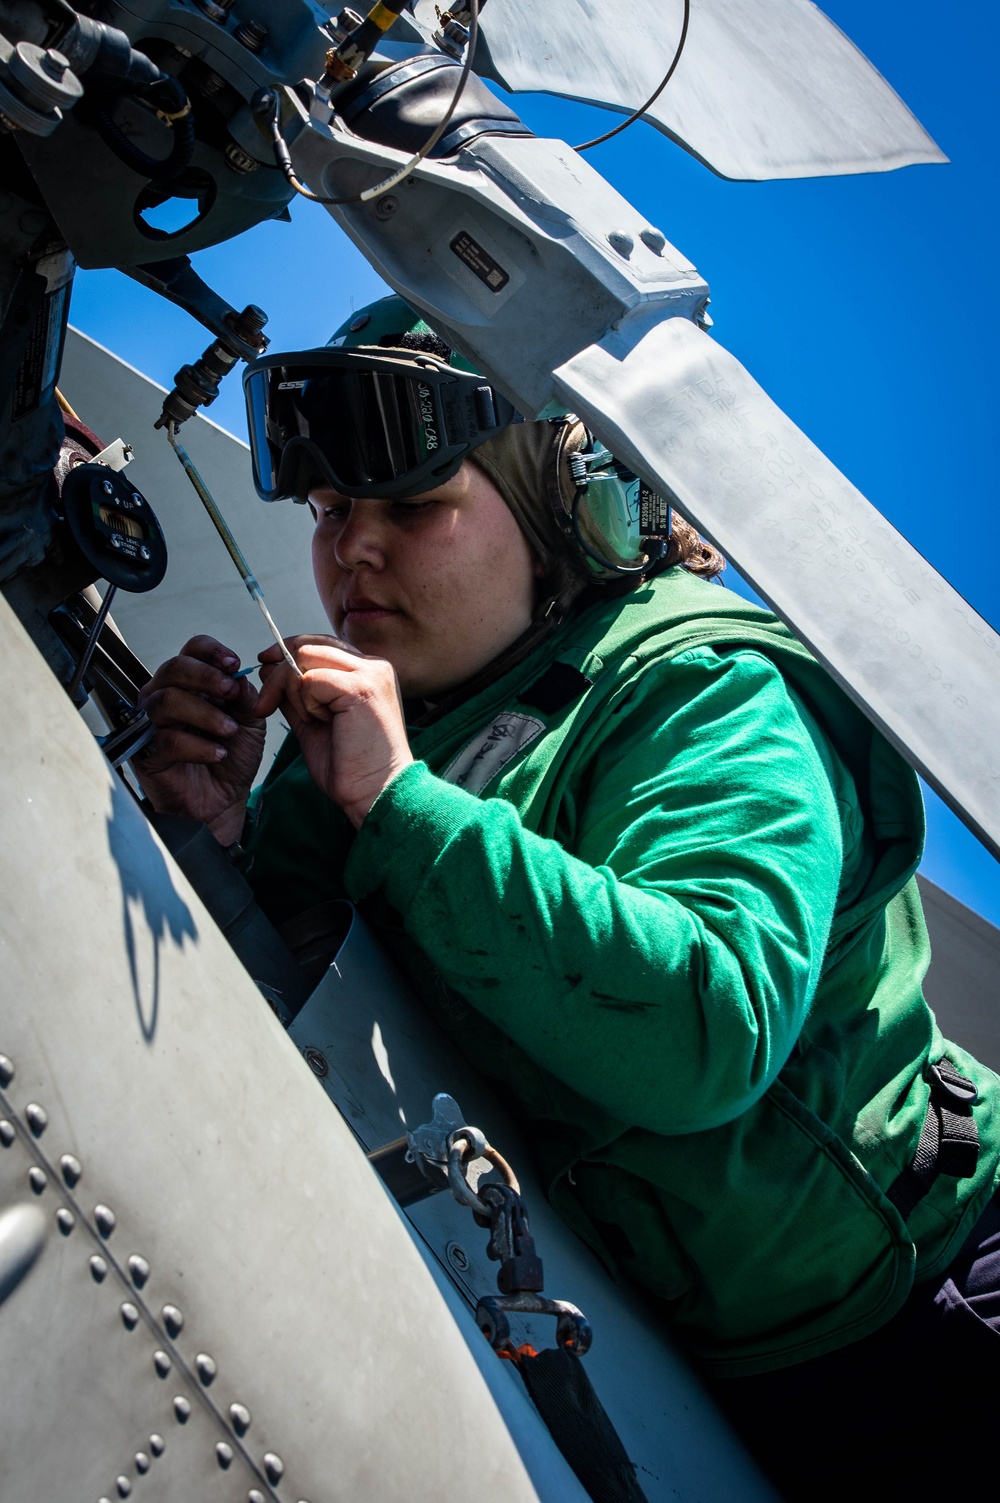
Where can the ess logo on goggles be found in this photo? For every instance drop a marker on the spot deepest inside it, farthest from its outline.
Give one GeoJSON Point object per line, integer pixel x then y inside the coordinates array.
{"type": "Point", "coordinates": [365, 422]}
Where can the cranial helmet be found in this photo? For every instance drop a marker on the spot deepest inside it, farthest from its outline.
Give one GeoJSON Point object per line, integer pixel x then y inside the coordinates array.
{"type": "Point", "coordinates": [388, 409]}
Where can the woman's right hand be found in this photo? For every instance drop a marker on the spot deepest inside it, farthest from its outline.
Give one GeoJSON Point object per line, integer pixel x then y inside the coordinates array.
{"type": "Point", "coordinates": [209, 740]}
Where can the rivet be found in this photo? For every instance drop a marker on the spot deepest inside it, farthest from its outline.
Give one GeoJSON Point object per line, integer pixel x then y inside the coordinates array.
{"type": "Point", "coordinates": [142, 1462]}
{"type": "Point", "coordinates": [157, 1445]}
{"type": "Point", "coordinates": [65, 1221]}
{"type": "Point", "coordinates": [173, 1320]}
{"type": "Point", "coordinates": [255, 1496]}
{"type": "Point", "coordinates": [98, 1269]}
{"type": "Point", "coordinates": [7, 1133]}
{"type": "Point", "coordinates": [224, 1455]}
{"type": "Point", "coordinates": [37, 1179]}
{"type": "Point", "coordinates": [124, 1486]}
{"type": "Point", "coordinates": [205, 1368]}
{"type": "Point", "coordinates": [354, 326]}
{"type": "Point", "coordinates": [654, 240]}
{"type": "Point", "coordinates": [274, 1467]}
{"type": "Point", "coordinates": [182, 1410]}
{"type": "Point", "coordinates": [71, 1168]}
{"type": "Point", "coordinates": [240, 1416]}
{"type": "Point", "coordinates": [106, 1220]}
{"type": "Point", "coordinates": [37, 1118]}
{"type": "Point", "coordinates": [139, 1269]}
{"type": "Point", "coordinates": [316, 1060]}
{"type": "Point", "coordinates": [162, 1364]}
{"type": "Point", "coordinates": [6, 1070]}
{"type": "Point", "coordinates": [130, 1316]}
{"type": "Point", "coordinates": [622, 242]}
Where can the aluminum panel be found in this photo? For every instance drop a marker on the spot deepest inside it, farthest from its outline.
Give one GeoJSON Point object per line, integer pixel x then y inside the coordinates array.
{"type": "Point", "coordinates": [148, 1092]}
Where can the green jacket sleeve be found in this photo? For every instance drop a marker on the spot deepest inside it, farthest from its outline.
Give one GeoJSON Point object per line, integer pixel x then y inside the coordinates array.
{"type": "Point", "coordinates": [664, 966]}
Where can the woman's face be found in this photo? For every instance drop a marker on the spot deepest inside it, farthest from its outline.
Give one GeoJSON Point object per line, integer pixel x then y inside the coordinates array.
{"type": "Point", "coordinates": [438, 584]}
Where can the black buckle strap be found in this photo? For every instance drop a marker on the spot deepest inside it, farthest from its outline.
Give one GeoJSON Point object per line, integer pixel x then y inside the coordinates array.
{"type": "Point", "coordinates": [949, 1139]}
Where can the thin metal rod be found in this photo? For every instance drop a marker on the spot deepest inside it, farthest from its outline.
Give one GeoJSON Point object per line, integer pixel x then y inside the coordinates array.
{"type": "Point", "coordinates": [91, 643]}
{"type": "Point", "coordinates": [232, 547]}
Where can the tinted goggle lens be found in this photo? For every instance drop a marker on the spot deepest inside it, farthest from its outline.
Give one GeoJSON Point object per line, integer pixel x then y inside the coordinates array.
{"type": "Point", "coordinates": [394, 430]}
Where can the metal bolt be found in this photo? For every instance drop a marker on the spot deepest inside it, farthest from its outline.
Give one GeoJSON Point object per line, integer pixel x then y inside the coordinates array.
{"type": "Point", "coordinates": [136, 499]}
{"type": "Point", "coordinates": [107, 487]}
{"type": "Point", "coordinates": [251, 35]}
{"type": "Point", "coordinates": [116, 541]}
{"type": "Point", "coordinates": [386, 206]}
{"type": "Point", "coordinates": [622, 242]}
{"type": "Point", "coordinates": [54, 63]}
{"type": "Point", "coordinates": [239, 160]}
{"type": "Point", "coordinates": [316, 1061]}
{"type": "Point", "coordinates": [248, 324]}
{"type": "Point", "coordinates": [654, 240]}
{"type": "Point", "coordinates": [457, 1257]}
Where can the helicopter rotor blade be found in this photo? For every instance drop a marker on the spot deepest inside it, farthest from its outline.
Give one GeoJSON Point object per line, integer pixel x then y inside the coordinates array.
{"type": "Point", "coordinates": [895, 635]}
{"type": "Point", "coordinates": [772, 90]}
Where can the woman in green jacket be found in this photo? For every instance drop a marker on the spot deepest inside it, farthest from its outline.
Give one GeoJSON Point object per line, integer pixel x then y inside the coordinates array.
{"type": "Point", "coordinates": [644, 862]}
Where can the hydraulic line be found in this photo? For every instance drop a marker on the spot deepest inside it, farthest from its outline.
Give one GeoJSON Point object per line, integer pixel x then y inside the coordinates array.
{"type": "Point", "coordinates": [265, 105]}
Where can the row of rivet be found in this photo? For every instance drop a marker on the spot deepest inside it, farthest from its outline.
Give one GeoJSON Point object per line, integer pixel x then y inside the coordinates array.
{"type": "Point", "coordinates": [205, 1366]}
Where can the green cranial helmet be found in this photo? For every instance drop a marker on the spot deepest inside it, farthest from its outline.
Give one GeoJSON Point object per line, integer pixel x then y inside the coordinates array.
{"type": "Point", "coordinates": [387, 409]}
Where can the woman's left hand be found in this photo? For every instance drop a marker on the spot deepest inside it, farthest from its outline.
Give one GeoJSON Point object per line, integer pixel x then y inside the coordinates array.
{"type": "Point", "coordinates": [347, 714]}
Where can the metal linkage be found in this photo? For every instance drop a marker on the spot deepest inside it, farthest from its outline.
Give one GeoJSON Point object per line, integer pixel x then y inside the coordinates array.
{"type": "Point", "coordinates": [444, 1148]}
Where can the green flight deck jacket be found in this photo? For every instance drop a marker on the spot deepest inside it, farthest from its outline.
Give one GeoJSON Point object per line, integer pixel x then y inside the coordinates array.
{"type": "Point", "coordinates": [657, 880]}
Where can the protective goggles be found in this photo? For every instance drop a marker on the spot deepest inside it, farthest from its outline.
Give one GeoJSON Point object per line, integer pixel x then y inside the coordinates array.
{"type": "Point", "coordinates": [364, 422]}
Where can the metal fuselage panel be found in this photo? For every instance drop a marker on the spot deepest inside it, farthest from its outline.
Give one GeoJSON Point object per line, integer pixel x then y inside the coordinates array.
{"type": "Point", "coordinates": [157, 1118]}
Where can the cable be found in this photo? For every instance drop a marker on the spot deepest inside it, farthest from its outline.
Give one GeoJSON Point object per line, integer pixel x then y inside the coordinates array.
{"type": "Point", "coordinates": [232, 547]}
{"type": "Point", "coordinates": [637, 114]}
{"type": "Point", "coordinates": [267, 98]}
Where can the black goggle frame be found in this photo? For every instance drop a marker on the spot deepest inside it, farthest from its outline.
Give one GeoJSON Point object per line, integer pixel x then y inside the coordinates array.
{"type": "Point", "coordinates": [380, 423]}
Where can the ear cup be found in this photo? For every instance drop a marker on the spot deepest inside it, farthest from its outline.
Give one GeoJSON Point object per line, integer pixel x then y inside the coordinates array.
{"type": "Point", "coordinates": [596, 503]}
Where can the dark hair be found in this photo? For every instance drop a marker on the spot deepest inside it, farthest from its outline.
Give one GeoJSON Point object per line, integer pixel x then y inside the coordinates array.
{"type": "Point", "coordinates": [689, 549]}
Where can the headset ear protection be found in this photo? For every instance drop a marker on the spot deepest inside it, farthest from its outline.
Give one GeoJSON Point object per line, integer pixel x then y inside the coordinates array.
{"type": "Point", "coordinates": [608, 516]}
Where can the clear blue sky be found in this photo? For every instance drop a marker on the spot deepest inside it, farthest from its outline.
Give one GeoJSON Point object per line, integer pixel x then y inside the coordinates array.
{"type": "Point", "coordinates": [866, 306]}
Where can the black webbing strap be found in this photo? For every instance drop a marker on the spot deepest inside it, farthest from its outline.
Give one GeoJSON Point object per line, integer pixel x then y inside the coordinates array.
{"type": "Point", "coordinates": [949, 1140]}
{"type": "Point", "coordinates": [563, 1394]}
